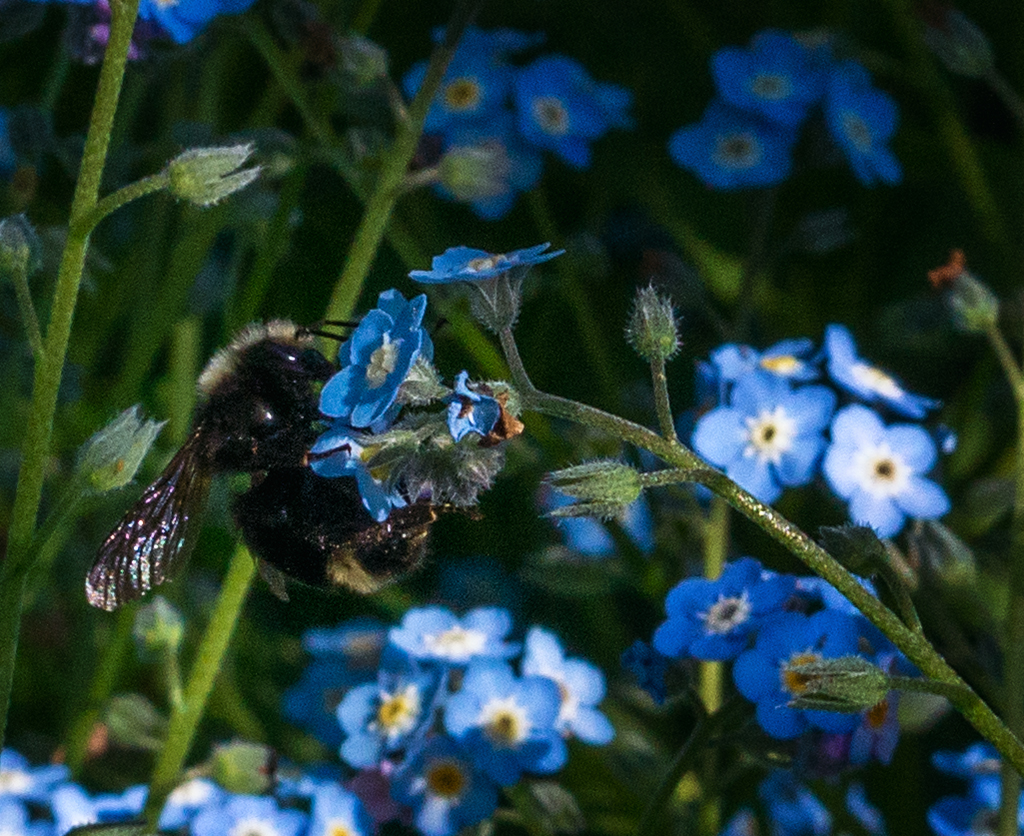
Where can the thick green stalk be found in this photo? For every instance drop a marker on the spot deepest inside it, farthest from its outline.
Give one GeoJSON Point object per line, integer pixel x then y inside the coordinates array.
{"type": "Point", "coordinates": [915, 646]}
{"type": "Point", "coordinates": [185, 717]}
{"type": "Point", "coordinates": [36, 445]}
{"type": "Point", "coordinates": [389, 184]}
{"type": "Point", "coordinates": [662, 404]}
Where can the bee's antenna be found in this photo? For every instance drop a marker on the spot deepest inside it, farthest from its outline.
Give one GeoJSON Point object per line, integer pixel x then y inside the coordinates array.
{"type": "Point", "coordinates": [316, 330]}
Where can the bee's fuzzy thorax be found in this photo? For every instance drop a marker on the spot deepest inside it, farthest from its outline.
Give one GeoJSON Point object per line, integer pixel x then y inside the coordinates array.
{"type": "Point", "coordinates": [224, 362]}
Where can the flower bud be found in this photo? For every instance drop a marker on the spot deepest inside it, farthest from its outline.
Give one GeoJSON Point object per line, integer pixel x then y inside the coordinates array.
{"type": "Point", "coordinates": [112, 456]}
{"type": "Point", "coordinates": [475, 172]}
{"type": "Point", "coordinates": [205, 176]}
{"type": "Point", "coordinates": [960, 45]}
{"type": "Point", "coordinates": [158, 629]}
{"type": "Point", "coordinates": [652, 328]}
{"type": "Point", "coordinates": [133, 721]}
{"type": "Point", "coordinates": [857, 547]}
{"type": "Point", "coordinates": [604, 489]}
{"type": "Point", "coordinates": [848, 684]}
{"type": "Point", "coordinates": [974, 306]}
{"type": "Point", "coordinates": [242, 767]}
{"type": "Point", "coordinates": [422, 385]}
{"type": "Point", "coordinates": [495, 302]}
{"type": "Point", "coordinates": [363, 61]}
{"type": "Point", "coordinates": [19, 246]}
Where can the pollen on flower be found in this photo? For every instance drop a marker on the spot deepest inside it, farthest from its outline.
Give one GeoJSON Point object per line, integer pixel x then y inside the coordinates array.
{"type": "Point", "coordinates": [397, 713]}
{"type": "Point", "coordinates": [462, 94]}
{"type": "Point", "coordinates": [792, 681]}
{"type": "Point", "coordinates": [782, 364]}
{"type": "Point", "coordinates": [726, 614]}
{"type": "Point", "coordinates": [551, 115]}
{"type": "Point", "coordinates": [737, 151]}
{"type": "Point", "coordinates": [770, 435]}
{"type": "Point", "coordinates": [446, 778]}
{"type": "Point", "coordinates": [382, 362]}
{"type": "Point", "coordinates": [876, 716]}
{"type": "Point", "coordinates": [478, 265]}
{"type": "Point", "coordinates": [771, 86]}
{"type": "Point", "coordinates": [336, 827]}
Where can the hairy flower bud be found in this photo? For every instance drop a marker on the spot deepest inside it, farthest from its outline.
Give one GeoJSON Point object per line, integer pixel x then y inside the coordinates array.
{"type": "Point", "coordinates": [652, 328]}
{"type": "Point", "coordinates": [960, 45]}
{"type": "Point", "coordinates": [974, 306]}
{"type": "Point", "coordinates": [243, 767]}
{"type": "Point", "coordinates": [604, 488]}
{"type": "Point", "coordinates": [133, 721]}
{"type": "Point", "coordinates": [205, 176]}
{"type": "Point", "coordinates": [158, 628]}
{"type": "Point", "coordinates": [475, 172]}
{"type": "Point", "coordinates": [19, 246]}
{"type": "Point", "coordinates": [112, 456]}
{"type": "Point", "coordinates": [848, 684]}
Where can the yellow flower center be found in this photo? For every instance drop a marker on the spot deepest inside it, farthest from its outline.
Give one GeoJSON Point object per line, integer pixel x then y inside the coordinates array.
{"type": "Point", "coordinates": [382, 362]}
{"type": "Point", "coordinates": [462, 94]}
{"type": "Point", "coordinates": [792, 681]}
{"type": "Point", "coordinates": [445, 778]}
{"type": "Point", "coordinates": [551, 115]}
{"type": "Point", "coordinates": [782, 364]}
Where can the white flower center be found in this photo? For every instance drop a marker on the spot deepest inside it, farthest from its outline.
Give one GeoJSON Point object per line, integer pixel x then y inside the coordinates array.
{"type": "Point", "coordinates": [737, 151]}
{"type": "Point", "coordinates": [504, 721]}
{"type": "Point", "coordinates": [397, 713]}
{"type": "Point", "coordinates": [252, 826]}
{"type": "Point", "coordinates": [191, 793]}
{"type": "Point", "coordinates": [550, 114]}
{"type": "Point", "coordinates": [876, 380]}
{"type": "Point", "coordinates": [382, 362]}
{"type": "Point", "coordinates": [14, 781]}
{"type": "Point", "coordinates": [726, 614]}
{"type": "Point", "coordinates": [771, 86]}
{"type": "Point", "coordinates": [770, 435]}
{"type": "Point", "coordinates": [880, 471]}
{"type": "Point", "coordinates": [462, 94]}
{"type": "Point", "coordinates": [456, 644]}
{"type": "Point", "coordinates": [857, 131]}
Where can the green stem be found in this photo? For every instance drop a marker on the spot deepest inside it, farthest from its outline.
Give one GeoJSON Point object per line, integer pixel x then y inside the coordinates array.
{"type": "Point", "coordinates": [185, 717]}
{"type": "Point", "coordinates": [36, 445]}
{"type": "Point", "coordinates": [1011, 368]}
{"type": "Point", "coordinates": [662, 404]}
{"type": "Point", "coordinates": [382, 202]}
{"type": "Point", "coordinates": [915, 646]}
{"type": "Point", "coordinates": [1009, 97]}
{"type": "Point", "coordinates": [922, 685]}
{"type": "Point", "coordinates": [126, 194]}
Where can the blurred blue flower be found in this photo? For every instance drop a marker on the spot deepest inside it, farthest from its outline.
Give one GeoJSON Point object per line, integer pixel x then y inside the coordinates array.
{"type": "Point", "coordinates": [337, 812]}
{"type": "Point", "coordinates": [878, 733]}
{"type": "Point", "coordinates": [470, 411]}
{"type": "Point", "coordinates": [436, 634]}
{"type": "Point", "coordinates": [880, 471]}
{"type": "Point", "coordinates": [187, 800]}
{"type": "Point", "coordinates": [769, 436]}
{"type": "Point", "coordinates": [793, 638]}
{"type": "Point", "coordinates": [464, 264]}
{"type": "Point", "coordinates": [821, 591]}
{"type": "Point", "coordinates": [28, 783]}
{"type": "Point", "coordinates": [507, 724]}
{"type": "Point", "coordinates": [381, 716]}
{"type": "Point", "coordinates": [788, 358]}
{"type": "Point", "coordinates": [648, 668]}
{"type": "Point", "coordinates": [775, 78]}
{"type": "Point", "coordinates": [521, 169]}
{"type": "Point", "coordinates": [185, 19]}
{"type": "Point", "coordinates": [730, 149]}
{"type": "Point", "coordinates": [862, 120]}
{"type": "Point", "coordinates": [561, 108]}
{"type": "Point", "coordinates": [713, 620]}
{"type": "Point", "coordinates": [73, 807]}
{"type": "Point", "coordinates": [963, 816]}
{"type": "Point", "coordinates": [742, 823]}
{"type": "Point", "coordinates": [445, 789]}
{"type": "Point", "coordinates": [249, 814]}
{"type": "Point", "coordinates": [376, 359]}
{"type": "Point", "coordinates": [866, 381]}
{"type": "Point", "coordinates": [15, 820]}
{"type": "Point", "coordinates": [977, 761]}
{"type": "Point", "coordinates": [8, 159]}
{"type": "Point", "coordinates": [337, 453]}
{"type": "Point", "coordinates": [793, 810]}
{"type": "Point", "coordinates": [580, 686]}
{"type": "Point", "coordinates": [866, 813]}
{"type": "Point", "coordinates": [474, 87]}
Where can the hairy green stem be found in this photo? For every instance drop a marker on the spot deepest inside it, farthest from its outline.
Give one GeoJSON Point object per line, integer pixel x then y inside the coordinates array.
{"type": "Point", "coordinates": [915, 646]}
{"type": "Point", "coordinates": [28, 311]}
{"type": "Point", "coordinates": [126, 194]}
{"type": "Point", "coordinates": [662, 404]}
{"type": "Point", "coordinates": [922, 685]}
{"type": "Point", "coordinates": [36, 445]}
{"type": "Point", "coordinates": [185, 717]}
{"type": "Point", "coordinates": [379, 207]}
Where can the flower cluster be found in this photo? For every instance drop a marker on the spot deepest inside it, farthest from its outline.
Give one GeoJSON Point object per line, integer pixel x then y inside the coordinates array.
{"type": "Point", "coordinates": [442, 720]}
{"type": "Point", "coordinates": [768, 429]}
{"type": "Point", "coordinates": [768, 624]}
{"type": "Point", "coordinates": [495, 119]}
{"type": "Point", "coordinates": [965, 815]}
{"type": "Point", "coordinates": [442, 457]}
{"type": "Point", "coordinates": [765, 94]}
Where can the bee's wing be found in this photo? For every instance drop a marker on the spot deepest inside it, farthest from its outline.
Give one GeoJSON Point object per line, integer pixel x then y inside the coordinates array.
{"type": "Point", "coordinates": [155, 536]}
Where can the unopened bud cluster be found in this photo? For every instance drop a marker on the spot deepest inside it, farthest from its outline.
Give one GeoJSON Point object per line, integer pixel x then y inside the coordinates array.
{"type": "Point", "coordinates": [112, 456]}
{"type": "Point", "coordinates": [974, 306]}
{"type": "Point", "coordinates": [475, 172]}
{"type": "Point", "coordinates": [158, 629]}
{"type": "Point", "coordinates": [652, 328]}
{"type": "Point", "coordinates": [960, 45]}
{"type": "Point", "coordinates": [602, 488]}
{"type": "Point", "coordinates": [19, 246]}
{"type": "Point", "coordinates": [205, 176]}
{"type": "Point", "coordinates": [846, 684]}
